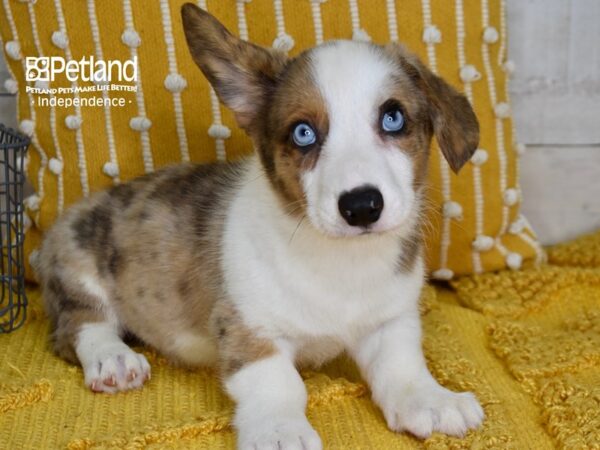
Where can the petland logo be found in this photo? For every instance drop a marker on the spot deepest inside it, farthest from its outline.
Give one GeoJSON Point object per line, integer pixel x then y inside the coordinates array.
{"type": "Point", "coordinates": [46, 68]}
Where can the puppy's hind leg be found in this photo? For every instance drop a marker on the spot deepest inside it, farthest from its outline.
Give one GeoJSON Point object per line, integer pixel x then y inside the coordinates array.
{"type": "Point", "coordinates": [87, 331]}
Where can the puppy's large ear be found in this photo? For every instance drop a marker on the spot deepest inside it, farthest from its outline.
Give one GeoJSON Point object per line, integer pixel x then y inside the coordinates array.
{"type": "Point", "coordinates": [241, 73]}
{"type": "Point", "coordinates": [454, 123]}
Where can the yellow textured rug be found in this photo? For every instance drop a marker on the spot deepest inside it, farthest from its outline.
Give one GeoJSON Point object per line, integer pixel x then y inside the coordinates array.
{"type": "Point", "coordinates": [528, 343]}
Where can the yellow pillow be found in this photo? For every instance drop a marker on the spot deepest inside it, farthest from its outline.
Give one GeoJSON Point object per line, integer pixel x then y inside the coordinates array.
{"type": "Point", "coordinates": [474, 224]}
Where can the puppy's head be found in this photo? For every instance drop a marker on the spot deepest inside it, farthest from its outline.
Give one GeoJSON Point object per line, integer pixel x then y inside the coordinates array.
{"type": "Point", "coordinates": [344, 129]}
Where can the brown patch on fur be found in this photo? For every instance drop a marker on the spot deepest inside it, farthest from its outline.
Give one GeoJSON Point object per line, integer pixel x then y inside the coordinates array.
{"type": "Point", "coordinates": [238, 345]}
{"type": "Point", "coordinates": [93, 231]}
{"type": "Point", "coordinates": [184, 287]}
{"type": "Point", "coordinates": [141, 264]}
{"type": "Point", "coordinates": [192, 189]}
{"type": "Point", "coordinates": [69, 309]}
{"type": "Point", "coordinates": [241, 73]}
{"type": "Point", "coordinates": [123, 194]}
{"type": "Point", "coordinates": [270, 93]}
{"type": "Point", "coordinates": [410, 249]}
{"type": "Point", "coordinates": [415, 137]}
{"type": "Point", "coordinates": [283, 160]}
{"type": "Point", "coordinates": [261, 87]}
{"type": "Point", "coordinates": [454, 123]}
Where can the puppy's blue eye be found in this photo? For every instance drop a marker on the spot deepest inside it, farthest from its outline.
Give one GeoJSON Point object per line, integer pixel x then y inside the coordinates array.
{"type": "Point", "coordinates": [392, 120]}
{"type": "Point", "coordinates": [303, 135]}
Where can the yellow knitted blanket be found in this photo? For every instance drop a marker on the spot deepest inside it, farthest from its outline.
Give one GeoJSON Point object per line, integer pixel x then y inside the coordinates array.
{"type": "Point", "coordinates": [527, 342]}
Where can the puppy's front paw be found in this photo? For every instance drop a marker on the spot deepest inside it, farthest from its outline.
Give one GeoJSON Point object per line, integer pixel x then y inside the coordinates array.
{"type": "Point", "coordinates": [116, 368]}
{"type": "Point", "coordinates": [277, 433]}
{"type": "Point", "coordinates": [425, 409]}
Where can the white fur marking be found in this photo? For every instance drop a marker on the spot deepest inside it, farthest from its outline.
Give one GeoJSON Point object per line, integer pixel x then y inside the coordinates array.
{"type": "Point", "coordinates": [391, 360]}
{"type": "Point", "coordinates": [271, 399]}
{"type": "Point", "coordinates": [353, 154]}
{"type": "Point", "coordinates": [267, 272]}
{"type": "Point", "coordinates": [109, 365]}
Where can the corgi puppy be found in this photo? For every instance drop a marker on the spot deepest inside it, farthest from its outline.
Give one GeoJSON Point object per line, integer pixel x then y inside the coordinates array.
{"type": "Point", "coordinates": [309, 248]}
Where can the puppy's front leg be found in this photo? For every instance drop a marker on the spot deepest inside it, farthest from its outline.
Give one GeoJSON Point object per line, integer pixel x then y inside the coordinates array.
{"type": "Point", "coordinates": [271, 399]}
{"type": "Point", "coordinates": [392, 361]}
{"type": "Point", "coordinates": [270, 396]}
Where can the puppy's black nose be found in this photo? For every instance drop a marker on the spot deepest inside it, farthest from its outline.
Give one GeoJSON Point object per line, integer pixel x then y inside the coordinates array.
{"type": "Point", "coordinates": [361, 206]}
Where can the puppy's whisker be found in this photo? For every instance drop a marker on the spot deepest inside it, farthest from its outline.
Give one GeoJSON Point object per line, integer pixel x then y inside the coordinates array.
{"type": "Point", "coordinates": [252, 180]}
{"type": "Point", "coordinates": [291, 212]}
{"type": "Point", "coordinates": [297, 228]}
{"type": "Point", "coordinates": [294, 203]}
{"type": "Point", "coordinates": [292, 207]}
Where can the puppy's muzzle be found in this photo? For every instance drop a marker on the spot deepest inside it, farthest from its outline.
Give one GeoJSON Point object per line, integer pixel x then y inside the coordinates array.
{"type": "Point", "coordinates": [361, 206]}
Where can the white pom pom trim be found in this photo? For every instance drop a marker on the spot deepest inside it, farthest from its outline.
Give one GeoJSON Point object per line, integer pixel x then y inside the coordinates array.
{"type": "Point", "coordinates": [490, 35]}
{"type": "Point", "coordinates": [511, 197]}
{"type": "Point", "coordinates": [55, 165]}
{"type": "Point", "coordinates": [520, 148]}
{"type": "Point", "coordinates": [502, 110]}
{"type": "Point", "coordinates": [468, 73]}
{"type": "Point", "coordinates": [480, 157]}
{"type": "Point", "coordinates": [27, 126]}
{"type": "Point", "coordinates": [517, 226]}
{"type": "Point", "coordinates": [60, 39]}
{"type": "Point", "coordinates": [443, 274]}
{"type": "Point", "coordinates": [284, 42]}
{"type": "Point", "coordinates": [111, 169]}
{"type": "Point", "coordinates": [175, 82]}
{"type": "Point", "coordinates": [11, 86]}
{"type": "Point", "coordinates": [140, 123]}
{"type": "Point", "coordinates": [432, 35]}
{"type": "Point", "coordinates": [452, 210]}
{"type": "Point", "coordinates": [509, 66]}
{"type": "Point", "coordinates": [72, 122]}
{"type": "Point", "coordinates": [360, 35]}
{"type": "Point", "coordinates": [13, 49]}
{"type": "Point", "coordinates": [131, 38]}
{"type": "Point", "coordinates": [32, 202]}
{"type": "Point", "coordinates": [219, 131]}
{"type": "Point", "coordinates": [483, 243]}
{"type": "Point", "coordinates": [514, 261]}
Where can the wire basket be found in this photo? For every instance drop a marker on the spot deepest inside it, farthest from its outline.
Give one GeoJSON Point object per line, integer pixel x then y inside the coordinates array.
{"type": "Point", "coordinates": [13, 304]}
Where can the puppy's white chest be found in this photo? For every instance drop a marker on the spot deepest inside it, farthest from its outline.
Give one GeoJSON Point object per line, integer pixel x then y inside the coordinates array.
{"type": "Point", "coordinates": [302, 284]}
{"type": "Point", "coordinates": [307, 299]}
